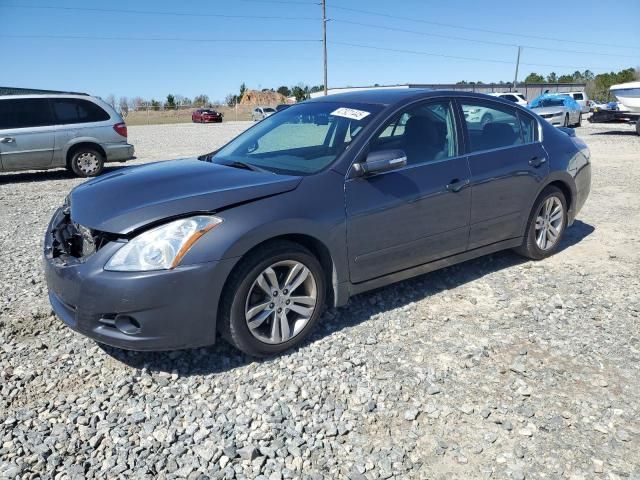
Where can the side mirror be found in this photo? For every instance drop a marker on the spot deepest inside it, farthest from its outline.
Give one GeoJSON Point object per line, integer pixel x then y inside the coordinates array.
{"type": "Point", "coordinates": [381, 161]}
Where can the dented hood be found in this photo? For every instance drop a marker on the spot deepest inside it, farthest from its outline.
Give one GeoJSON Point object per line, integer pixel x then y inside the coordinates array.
{"type": "Point", "coordinates": [130, 198]}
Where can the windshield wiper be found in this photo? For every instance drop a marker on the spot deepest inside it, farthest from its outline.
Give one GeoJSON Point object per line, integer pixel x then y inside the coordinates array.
{"type": "Point", "coordinates": [245, 166]}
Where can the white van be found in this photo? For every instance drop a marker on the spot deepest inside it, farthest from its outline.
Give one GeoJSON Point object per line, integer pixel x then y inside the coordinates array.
{"type": "Point", "coordinates": [581, 98]}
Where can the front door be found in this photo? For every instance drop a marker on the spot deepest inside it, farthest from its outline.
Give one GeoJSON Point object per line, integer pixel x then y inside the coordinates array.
{"type": "Point", "coordinates": [508, 164]}
{"type": "Point", "coordinates": [27, 135]}
{"type": "Point", "coordinates": [411, 216]}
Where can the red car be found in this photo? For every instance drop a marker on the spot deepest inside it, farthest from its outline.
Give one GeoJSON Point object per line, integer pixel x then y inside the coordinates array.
{"type": "Point", "coordinates": [206, 115]}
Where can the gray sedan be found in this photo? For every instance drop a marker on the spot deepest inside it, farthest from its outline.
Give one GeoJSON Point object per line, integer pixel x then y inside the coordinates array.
{"type": "Point", "coordinates": [319, 202]}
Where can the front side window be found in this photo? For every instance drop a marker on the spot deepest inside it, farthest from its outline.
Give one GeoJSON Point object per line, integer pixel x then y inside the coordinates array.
{"type": "Point", "coordinates": [73, 110]}
{"type": "Point", "coordinates": [301, 140]}
{"type": "Point", "coordinates": [24, 113]}
{"type": "Point", "coordinates": [490, 125]}
{"type": "Point", "coordinates": [426, 133]}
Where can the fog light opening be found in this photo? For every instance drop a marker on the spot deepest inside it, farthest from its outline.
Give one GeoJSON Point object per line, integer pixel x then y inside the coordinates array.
{"type": "Point", "coordinates": [127, 325]}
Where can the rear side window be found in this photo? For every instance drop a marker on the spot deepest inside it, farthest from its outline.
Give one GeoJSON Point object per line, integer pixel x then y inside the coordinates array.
{"type": "Point", "coordinates": [491, 126]}
{"type": "Point", "coordinates": [528, 127]}
{"type": "Point", "coordinates": [24, 113]}
{"type": "Point", "coordinates": [74, 110]}
{"type": "Point", "coordinates": [510, 97]}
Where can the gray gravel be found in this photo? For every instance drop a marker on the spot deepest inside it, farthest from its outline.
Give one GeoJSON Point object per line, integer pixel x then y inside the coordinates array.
{"type": "Point", "coordinates": [494, 368]}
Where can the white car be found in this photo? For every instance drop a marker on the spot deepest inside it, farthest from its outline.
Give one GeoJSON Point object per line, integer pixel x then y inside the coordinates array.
{"type": "Point", "coordinates": [515, 97]}
{"type": "Point", "coordinates": [581, 98]}
{"type": "Point", "coordinates": [260, 113]}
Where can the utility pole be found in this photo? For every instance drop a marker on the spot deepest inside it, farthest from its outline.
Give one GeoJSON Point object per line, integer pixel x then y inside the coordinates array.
{"type": "Point", "coordinates": [324, 41]}
{"type": "Point", "coordinates": [515, 80]}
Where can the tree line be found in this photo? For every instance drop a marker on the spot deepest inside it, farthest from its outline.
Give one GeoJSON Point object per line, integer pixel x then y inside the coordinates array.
{"type": "Point", "coordinates": [597, 89]}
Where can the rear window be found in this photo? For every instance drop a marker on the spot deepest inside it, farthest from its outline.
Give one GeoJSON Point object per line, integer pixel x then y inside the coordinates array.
{"type": "Point", "coordinates": [74, 110]}
{"type": "Point", "coordinates": [578, 96]}
{"type": "Point", "coordinates": [24, 113]}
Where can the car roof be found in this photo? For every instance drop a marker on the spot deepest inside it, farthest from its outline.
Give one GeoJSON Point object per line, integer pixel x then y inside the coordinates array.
{"type": "Point", "coordinates": [48, 95]}
{"type": "Point", "coordinates": [391, 96]}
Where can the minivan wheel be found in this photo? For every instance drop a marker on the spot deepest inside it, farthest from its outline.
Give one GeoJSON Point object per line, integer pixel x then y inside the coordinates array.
{"type": "Point", "coordinates": [579, 124]}
{"type": "Point", "coordinates": [566, 120]}
{"type": "Point", "coordinates": [547, 223]}
{"type": "Point", "coordinates": [87, 163]}
{"type": "Point", "coordinates": [273, 299]}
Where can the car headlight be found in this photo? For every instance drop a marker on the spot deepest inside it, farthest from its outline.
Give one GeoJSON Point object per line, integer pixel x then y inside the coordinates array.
{"type": "Point", "coordinates": [163, 247]}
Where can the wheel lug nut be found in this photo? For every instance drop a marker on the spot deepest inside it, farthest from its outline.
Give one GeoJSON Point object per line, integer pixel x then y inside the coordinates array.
{"type": "Point", "coordinates": [271, 305]}
{"type": "Point", "coordinates": [279, 310]}
{"type": "Point", "coordinates": [275, 294]}
{"type": "Point", "coordinates": [288, 302]}
{"type": "Point", "coordinates": [285, 291]}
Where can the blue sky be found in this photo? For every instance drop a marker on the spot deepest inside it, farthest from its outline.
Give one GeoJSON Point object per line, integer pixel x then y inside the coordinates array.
{"type": "Point", "coordinates": [138, 65]}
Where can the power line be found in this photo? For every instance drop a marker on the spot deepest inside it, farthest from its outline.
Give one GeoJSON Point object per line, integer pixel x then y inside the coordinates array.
{"type": "Point", "coordinates": [163, 39]}
{"type": "Point", "coordinates": [154, 12]}
{"type": "Point", "coordinates": [442, 55]}
{"type": "Point", "coordinates": [285, 2]}
{"type": "Point", "coordinates": [475, 29]}
{"type": "Point", "coordinates": [474, 40]}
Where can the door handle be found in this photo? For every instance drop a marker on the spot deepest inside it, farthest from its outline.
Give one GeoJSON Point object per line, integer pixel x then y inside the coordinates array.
{"type": "Point", "coordinates": [7, 140]}
{"type": "Point", "coordinates": [456, 185]}
{"type": "Point", "coordinates": [535, 162]}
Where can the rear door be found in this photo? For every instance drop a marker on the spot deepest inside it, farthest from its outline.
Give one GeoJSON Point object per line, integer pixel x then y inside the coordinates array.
{"type": "Point", "coordinates": [26, 134]}
{"type": "Point", "coordinates": [77, 118]}
{"type": "Point", "coordinates": [508, 164]}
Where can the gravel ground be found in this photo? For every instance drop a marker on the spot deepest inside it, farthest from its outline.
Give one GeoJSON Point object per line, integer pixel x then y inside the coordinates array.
{"type": "Point", "coordinates": [494, 368]}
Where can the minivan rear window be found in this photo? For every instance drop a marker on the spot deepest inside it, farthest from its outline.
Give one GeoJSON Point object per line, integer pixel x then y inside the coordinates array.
{"type": "Point", "coordinates": [74, 110]}
{"type": "Point", "coordinates": [578, 96]}
{"type": "Point", "coordinates": [24, 113]}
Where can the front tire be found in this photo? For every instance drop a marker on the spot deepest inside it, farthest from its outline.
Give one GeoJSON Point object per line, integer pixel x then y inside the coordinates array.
{"type": "Point", "coordinates": [273, 299]}
{"type": "Point", "coordinates": [546, 225]}
{"type": "Point", "coordinates": [566, 120]}
{"type": "Point", "coordinates": [87, 162]}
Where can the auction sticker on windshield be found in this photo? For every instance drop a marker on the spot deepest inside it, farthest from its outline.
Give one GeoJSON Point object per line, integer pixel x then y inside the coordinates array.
{"type": "Point", "coordinates": [350, 113]}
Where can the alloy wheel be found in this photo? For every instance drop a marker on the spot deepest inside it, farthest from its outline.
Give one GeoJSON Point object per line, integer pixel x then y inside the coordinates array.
{"type": "Point", "coordinates": [549, 223]}
{"type": "Point", "coordinates": [281, 301]}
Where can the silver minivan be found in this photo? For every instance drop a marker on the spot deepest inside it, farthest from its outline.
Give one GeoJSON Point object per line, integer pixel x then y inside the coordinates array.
{"type": "Point", "coordinates": [79, 132]}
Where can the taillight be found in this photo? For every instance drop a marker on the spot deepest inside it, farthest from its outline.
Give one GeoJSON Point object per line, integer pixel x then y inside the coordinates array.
{"type": "Point", "coordinates": [121, 129]}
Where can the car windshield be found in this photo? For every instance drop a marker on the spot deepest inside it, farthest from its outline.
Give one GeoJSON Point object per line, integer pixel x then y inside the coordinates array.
{"type": "Point", "coordinates": [209, 111]}
{"type": "Point", "coordinates": [301, 140]}
{"type": "Point", "coordinates": [271, 110]}
{"type": "Point", "coordinates": [547, 102]}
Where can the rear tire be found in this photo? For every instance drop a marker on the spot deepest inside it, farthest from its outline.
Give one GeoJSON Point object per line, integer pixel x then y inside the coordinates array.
{"type": "Point", "coordinates": [239, 300]}
{"type": "Point", "coordinates": [547, 221]}
{"type": "Point", "coordinates": [579, 124]}
{"type": "Point", "coordinates": [566, 120]}
{"type": "Point", "coordinates": [87, 162]}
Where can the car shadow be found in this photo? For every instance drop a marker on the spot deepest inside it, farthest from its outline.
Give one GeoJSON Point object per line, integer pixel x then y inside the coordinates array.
{"type": "Point", "coordinates": [32, 176]}
{"type": "Point", "coordinates": [222, 357]}
{"type": "Point", "coordinates": [630, 133]}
